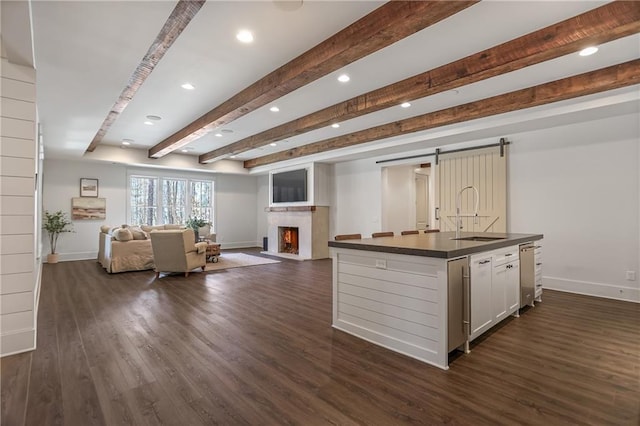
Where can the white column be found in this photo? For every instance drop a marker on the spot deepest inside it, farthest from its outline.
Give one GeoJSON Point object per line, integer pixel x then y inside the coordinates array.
{"type": "Point", "coordinates": [17, 206]}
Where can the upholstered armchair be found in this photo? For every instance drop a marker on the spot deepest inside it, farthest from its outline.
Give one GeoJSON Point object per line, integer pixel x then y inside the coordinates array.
{"type": "Point", "coordinates": [175, 251]}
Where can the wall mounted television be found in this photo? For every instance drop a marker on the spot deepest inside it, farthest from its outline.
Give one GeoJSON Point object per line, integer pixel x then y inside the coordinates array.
{"type": "Point", "coordinates": [289, 187]}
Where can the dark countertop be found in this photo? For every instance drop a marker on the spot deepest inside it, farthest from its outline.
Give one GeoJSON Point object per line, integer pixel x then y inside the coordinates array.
{"type": "Point", "coordinates": [436, 244]}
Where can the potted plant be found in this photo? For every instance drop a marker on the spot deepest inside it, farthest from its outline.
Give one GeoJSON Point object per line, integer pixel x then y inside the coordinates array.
{"type": "Point", "coordinates": [55, 224]}
{"type": "Point", "coordinates": [196, 223]}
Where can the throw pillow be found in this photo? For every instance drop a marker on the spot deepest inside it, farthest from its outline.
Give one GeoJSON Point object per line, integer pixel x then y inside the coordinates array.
{"type": "Point", "coordinates": [123, 234]}
{"type": "Point", "coordinates": [148, 228]}
{"type": "Point", "coordinates": [138, 233]}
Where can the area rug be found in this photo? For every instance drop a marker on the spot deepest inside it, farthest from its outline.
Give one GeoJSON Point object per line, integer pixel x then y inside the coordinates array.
{"type": "Point", "coordinates": [237, 260]}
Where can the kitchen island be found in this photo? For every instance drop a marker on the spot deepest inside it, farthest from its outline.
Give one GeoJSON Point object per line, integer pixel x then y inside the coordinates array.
{"type": "Point", "coordinates": [412, 293]}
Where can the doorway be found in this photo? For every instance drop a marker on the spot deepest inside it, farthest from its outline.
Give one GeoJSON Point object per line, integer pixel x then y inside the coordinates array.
{"type": "Point", "coordinates": [406, 191]}
{"type": "Point", "coordinates": [422, 199]}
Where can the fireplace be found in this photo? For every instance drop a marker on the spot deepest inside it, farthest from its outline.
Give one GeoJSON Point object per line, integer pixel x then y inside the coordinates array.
{"type": "Point", "coordinates": [299, 233]}
{"type": "Point", "coordinates": [287, 239]}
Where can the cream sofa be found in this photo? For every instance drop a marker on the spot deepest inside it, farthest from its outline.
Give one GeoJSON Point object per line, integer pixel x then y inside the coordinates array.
{"type": "Point", "coordinates": [129, 250]}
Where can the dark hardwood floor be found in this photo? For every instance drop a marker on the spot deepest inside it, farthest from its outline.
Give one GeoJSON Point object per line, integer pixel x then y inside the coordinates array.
{"type": "Point", "coordinates": [254, 346]}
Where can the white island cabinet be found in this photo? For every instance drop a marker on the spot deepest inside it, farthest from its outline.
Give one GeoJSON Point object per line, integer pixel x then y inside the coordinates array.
{"type": "Point", "coordinates": [424, 295]}
{"type": "Point", "coordinates": [482, 295]}
{"type": "Point", "coordinates": [393, 300]}
{"type": "Point", "coordinates": [495, 288]}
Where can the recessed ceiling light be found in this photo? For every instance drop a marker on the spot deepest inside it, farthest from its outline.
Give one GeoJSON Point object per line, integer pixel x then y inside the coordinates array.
{"type": "Point", "coordinates": [274, 109]}
{"type": "Point", "coordinates": [244, 36]}
{"type": "Point", "coordinates": [219, 135]}
{"type": "Point", "coordinates": [343, 78]}
{"type": "Point", "coordinates": [233, 156]}
{"type": "Point", "coordinates": [185, 150]}
{"type": "Point", "coordinates": [273, 144]}
{"type": "Point", "coordinates": [188, 86]}
{"type": "Point", "coordinates": [335, 125]}
{"type": "Point", "coordinates": [127, 141]}
{"type": "Point", "coordinates": [588, 51]}
{"type": "Point", "coordinates": [405, 105]}
{"type": "Point", "coordinates": [149, 123]}
{"type": "Point", "coordinates": [154, 117]}
{"type": "Point", "coordinates": [288, 5]}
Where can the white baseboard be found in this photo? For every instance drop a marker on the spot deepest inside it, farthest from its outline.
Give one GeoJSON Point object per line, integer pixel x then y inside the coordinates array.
{"type": "Point", "coordinates": [17, 342]}
{"type": "Point", "coordinates": [629, 294]}
{"type": "Point", "coordinates": [93, 255]}
{"type": "Point", "coordinates": [237, 245]}
{"type": "Point", "coordinates": [68, 257]}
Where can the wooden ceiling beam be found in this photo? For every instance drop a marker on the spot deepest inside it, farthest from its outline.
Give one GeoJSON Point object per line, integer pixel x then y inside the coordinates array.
{"type": "Point", "coordinates": [601, 25]}
{"type": "Point", "coordinates": [180, 17]}
{"type": "Point", "coordinates": [384, 26]}
{"type": "Point", "coordinates": [609, 78]}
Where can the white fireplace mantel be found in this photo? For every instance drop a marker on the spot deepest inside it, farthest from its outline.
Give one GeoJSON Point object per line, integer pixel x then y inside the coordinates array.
{"type": "Point", "coordinates": [313, 230]}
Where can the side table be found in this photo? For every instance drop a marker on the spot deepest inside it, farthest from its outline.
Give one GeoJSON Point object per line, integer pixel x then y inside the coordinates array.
{"type": "Point", "coordinates": [213, 251]}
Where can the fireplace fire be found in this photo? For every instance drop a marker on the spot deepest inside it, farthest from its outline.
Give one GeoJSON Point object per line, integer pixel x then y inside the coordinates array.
{"type": "Point", "coordinates": [287, 239]}
{"type": "Point", "coordinates": [310, 226]}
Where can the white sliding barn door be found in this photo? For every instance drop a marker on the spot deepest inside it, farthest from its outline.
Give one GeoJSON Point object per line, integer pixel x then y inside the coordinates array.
{"type": "Point", "coordinates": [482, 168]}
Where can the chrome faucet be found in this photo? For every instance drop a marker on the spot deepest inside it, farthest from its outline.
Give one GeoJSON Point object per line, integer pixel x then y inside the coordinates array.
{"type": "Point", "coordinates": [458, 202]}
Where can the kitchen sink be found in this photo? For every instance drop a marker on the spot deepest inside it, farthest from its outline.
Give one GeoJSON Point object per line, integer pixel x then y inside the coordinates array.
{"type": "Point", "coordinates": [479, 238]}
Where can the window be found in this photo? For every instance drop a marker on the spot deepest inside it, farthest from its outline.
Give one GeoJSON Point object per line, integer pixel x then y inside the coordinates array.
{"type": "Point", "coordinates": [156, 200]}
{"type": "Point", "coordinates": [144, 200]}
{"type": "Point", "coordinates": [174, 201]}
{"type": "Point", "coordinates": [201, 200]}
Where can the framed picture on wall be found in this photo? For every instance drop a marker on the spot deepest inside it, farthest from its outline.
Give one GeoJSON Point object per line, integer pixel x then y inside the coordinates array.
{"type": "Point", "coordinates": [88, 187]}
{"type": "Point", "coordinates": [88, 208]}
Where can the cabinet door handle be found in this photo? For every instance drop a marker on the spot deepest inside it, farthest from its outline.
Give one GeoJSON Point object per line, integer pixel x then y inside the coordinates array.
{"type": "Point", "coordinates": [539, 263]}
{"type": "Point", "coordinates": [484, 262]}
{"type": "Point", "coordinates": [508, 254]}
{"type": "Point", "coordinates": [437, 213]}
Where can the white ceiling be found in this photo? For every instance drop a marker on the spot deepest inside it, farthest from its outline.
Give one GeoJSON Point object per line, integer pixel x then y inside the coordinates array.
{"type": "Point", "coordinates": [85, 52]}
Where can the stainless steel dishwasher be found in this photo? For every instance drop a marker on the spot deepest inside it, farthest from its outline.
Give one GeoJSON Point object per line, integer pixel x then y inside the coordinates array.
{"type": "Point", "coordinates": [527, 274]}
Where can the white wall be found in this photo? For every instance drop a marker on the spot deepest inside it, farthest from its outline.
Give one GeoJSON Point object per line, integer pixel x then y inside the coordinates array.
{"type": "Point", "coordinates": [577, 184]}
{"type": "Point", "coordinates": [62, 182]}
{"type": "Point", "coordinates": [236, 206]}
{"type": "Point", "coordinates": [262, 224]}
{"type": "Point", "coordinates": [358, 207]}
{"type": "Point", "coordinates": [235, 203]}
